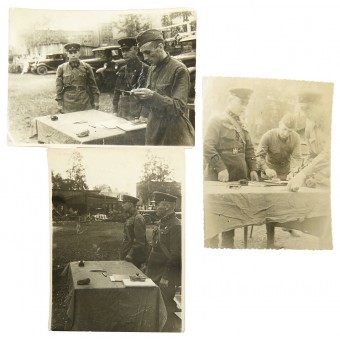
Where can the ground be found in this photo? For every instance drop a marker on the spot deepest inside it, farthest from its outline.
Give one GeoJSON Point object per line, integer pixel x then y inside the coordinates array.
{"type": "Point", "coordinates": [31, 95]}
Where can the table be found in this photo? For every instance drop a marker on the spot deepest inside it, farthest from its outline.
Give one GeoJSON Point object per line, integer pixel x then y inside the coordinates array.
{"type": "Point", "coordinates": [65, 129]}
{"type": "Point", "coordinates": [227, 208]}
{"type": "Point", "coordinates": [104, 305]}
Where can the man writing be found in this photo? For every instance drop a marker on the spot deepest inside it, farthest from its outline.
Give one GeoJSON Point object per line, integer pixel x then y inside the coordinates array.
{"type": "Point", "coordinates": [166, 94]}
{"type": "Point", "coordinates": [75, 84]}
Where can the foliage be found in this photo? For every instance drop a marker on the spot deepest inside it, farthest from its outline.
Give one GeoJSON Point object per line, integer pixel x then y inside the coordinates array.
{"type": "Point", "coordinates": [168, 19]}
{"type": "Point", "coordinates": [76, 178]}
{"type": "Point", "coordinates": [103, 188]}
{"type": "Point", "coordinates": [132, 24]}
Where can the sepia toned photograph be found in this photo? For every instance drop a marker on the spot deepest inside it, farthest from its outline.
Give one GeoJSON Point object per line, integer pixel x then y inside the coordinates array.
{"type": "Point", "coordinates": [267, 163]}
{"type": "Point", "coordinates": [101, 77]}
{"type": "Point", "coordinates": [116, 236]}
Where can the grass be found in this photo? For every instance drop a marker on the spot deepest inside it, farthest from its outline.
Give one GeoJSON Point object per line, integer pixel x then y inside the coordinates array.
{"type": "Point", "coordinates": [31, 96]}
{"type": "Point", "coordinates": [99, 241]}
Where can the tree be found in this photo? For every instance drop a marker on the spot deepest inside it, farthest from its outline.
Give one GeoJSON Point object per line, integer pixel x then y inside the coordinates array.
{"type": "Point", "coordinates": [103, 188]}
{"type": "Point", "coordinates": [76, 178]}
{"type": "Point", "coordinates": [132, 24]}
{"type": "Point", "coordinates": [168, 19]}
{"type": "Point", "coordinates": [155, 172]}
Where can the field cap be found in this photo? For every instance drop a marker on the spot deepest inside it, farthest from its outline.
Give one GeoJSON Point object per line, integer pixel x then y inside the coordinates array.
{"type": "Point", "coordinates": [243, 94]}
{"type": "Point", "coordinates": [72, 47]}
{"type": "Point", "coordinates": [149, 35]}
{"type": "Point", "coordinates": [163, 197]}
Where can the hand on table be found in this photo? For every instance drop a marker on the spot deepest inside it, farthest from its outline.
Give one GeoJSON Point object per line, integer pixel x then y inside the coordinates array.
{"type": "Point", "coordinates": [296, 182]}
{"type": "Point", "coordinates": [96, 106]}
{"type": "Point", "coordinates": [142, 93]}
{"type": "Point", "coordinates": [59, 109]}
{"type": "Point", "coordinates": [254, 176]}
{"type": "Point", "coordinates": [270, 173]}
{"type": "Point", "coordinates": [223, 176]}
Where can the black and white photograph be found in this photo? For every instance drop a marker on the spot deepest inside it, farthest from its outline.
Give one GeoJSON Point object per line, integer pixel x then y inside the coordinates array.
{"type": "Point", "coordinates": [102, 77]}
{"type": "Point", "coordinates": [267, 163]}
{"type": "Point", "coordinates": [116, 240]}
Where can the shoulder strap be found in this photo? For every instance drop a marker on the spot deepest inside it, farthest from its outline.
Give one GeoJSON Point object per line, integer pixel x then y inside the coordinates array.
{"type": "Point", "coordinates": [238, 128]}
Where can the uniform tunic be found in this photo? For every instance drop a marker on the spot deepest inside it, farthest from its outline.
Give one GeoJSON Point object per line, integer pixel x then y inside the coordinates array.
{"type": "Point", "coordinates": [134, 241]}
{"type": "Point", "coordinates": [277, 154]}
{"type": "Point", "coordinates": [167, 108]}
{"type": "Point", "coordinates": [228, 147]}
{"type": "Point", "coordinates": [76, 87]}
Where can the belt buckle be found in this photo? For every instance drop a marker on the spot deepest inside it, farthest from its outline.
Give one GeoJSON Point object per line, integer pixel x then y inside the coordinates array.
{"type": "Point", "coordinates": [235, 151]}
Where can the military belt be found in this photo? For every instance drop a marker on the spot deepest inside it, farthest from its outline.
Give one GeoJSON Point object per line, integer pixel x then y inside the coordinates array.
{"type": "Point", "coordinates": [75, 88]}
{"type": "Point", "coordinates": [233, 151]}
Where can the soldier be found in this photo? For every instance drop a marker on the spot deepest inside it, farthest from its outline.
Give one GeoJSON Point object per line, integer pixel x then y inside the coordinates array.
{"type": "Point", "coordinates": [279, 149]}
{"type": "Point", "coordinates": [134, 247]}
{"type": "Point", "coordinates": [75, 84]}
{"type": "Point", "coordinates": [316, 171]}
{"type": "Point", "coordinates": [166, 94]}
{"type": "Point", "coordinates": [131, 76]}
{"type": "Point", "coordinates": [228, 150]}
{"type": "Point", "coordinates": [165, 260]}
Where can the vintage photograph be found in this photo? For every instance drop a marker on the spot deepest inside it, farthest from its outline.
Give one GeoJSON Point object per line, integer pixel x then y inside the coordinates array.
{"type": "Point", "coordinates": [267, 163]}
{"type": "Point", "coordinates": [116, 236]}
{"type": "Point", "coordinates": [102, 77]}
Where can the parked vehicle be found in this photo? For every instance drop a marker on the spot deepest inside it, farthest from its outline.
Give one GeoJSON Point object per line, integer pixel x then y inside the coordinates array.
{"type": "Point", "coordinates": [49, 63]}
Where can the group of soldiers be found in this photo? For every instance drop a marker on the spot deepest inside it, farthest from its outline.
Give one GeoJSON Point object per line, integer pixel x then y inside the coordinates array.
{"type": "Point", "coordinates": [163, 262]}
{"type": "Point", "coordinates": [230, 155]}
{"type": "Point", "coordinates": [154, 90]}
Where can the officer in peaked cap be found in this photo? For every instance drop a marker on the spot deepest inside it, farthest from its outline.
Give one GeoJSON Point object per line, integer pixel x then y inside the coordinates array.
{"type": "Point", "coordinates": [165, 95]}
{"type": "Point", "coordinates": [165, 260]}
{"type": "Point", "coordinates": [134, 246]}
{"type": "Point", "coordinates": [75, 84]}
{"type": "Point", "coordinates": [131, 76]}
{"type": "Point", "coordinates": [228, 150]}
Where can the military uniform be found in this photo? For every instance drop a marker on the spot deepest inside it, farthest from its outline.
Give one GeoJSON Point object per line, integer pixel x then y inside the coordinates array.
{"type": "Point", "coordinates": [131, 76]}
{"type": "Point", "coordinates": [165, 260]}
{"type": "Point", "coordinates": [167, 109]}
{"type": "Point", "coordinates": [227, 145]}
{"type": "Point", "coordinates": [275, 153]}
{"type": "Point", "coordinates": [134, 244]}
{"type": "Point", "coordinates": [76, 86]}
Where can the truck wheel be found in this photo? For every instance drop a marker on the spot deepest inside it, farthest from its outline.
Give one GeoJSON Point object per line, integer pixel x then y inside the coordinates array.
{"type": "Point", "coordinates": [42, 70]}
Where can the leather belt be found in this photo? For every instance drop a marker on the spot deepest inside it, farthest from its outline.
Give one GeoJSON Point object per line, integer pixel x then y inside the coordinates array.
{"type": "Point", "coordinates": [75, 88]}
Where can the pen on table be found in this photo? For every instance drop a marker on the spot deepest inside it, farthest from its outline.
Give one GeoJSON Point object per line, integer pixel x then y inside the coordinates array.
{"type": "Point", "coordinates": [104, 274]}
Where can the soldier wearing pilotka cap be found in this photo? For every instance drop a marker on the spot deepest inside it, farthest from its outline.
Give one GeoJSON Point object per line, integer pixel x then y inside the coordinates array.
{"type": "Point", "coordinates": [165, 95]}
{"type": "Point", "coordinates": [134, 246]}
{"type": "Point", "coordinates": [165, 260]}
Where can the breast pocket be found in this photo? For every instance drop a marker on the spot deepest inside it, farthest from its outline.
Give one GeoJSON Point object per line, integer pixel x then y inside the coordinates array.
{"type": "Point", "coordinates": [67, 79]}
{"type": "Point", "coordinates": [229, 139]}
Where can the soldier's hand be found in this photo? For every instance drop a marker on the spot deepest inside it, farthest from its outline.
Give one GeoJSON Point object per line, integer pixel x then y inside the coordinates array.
{"type": "Point", "coordinates": [96, 106]}
{"type": "Point", "coordinates": [142, 93]}
{"type": "Point", "coordinates": [128, 258]}
{"type": "Point", "coordinates": [296, 182]}
{"type": "Point", "coordinates": [223, 176]}
{"type": "Point", "coordinates": [290, 176]}
{"type": "Point", "coordinates": [270, 173]}
{"type": "Point", "coordinates": [163, 283]}
{"type": "Point", "coordinates": [254, 176]}
{"type": "Point", "coordinates": [59, 109]}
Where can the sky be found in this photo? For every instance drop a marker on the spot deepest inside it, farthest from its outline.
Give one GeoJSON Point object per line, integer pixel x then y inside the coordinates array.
{"type": "Point", "coordinates": [120, 168]}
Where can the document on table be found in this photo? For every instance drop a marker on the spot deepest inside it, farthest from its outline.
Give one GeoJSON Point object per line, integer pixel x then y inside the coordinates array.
{"type": "Point", "coordinates": [146, 283]}
{"type": "Point", "coordinates": [118, 277]}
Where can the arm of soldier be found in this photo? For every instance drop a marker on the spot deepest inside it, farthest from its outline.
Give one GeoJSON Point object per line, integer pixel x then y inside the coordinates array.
{"type": "Point", "coordinates": [176, 103]}
{"type": "Point", "coordinates": [92, 85]}
{"type": "Point", "coordinates": [250, 158]}
{"type": "Point", "coordinates": [59, 88]}
{"type": "Point", "coordinates": [261, 154]}
{"type": "Point", "coordinates": [139, 229]}
{"type": "Point", "coordinates": [295, 158]}
{"type": "Point", "coordinates": [211, 155]}
{"type": "Point", "coordinates": [173, 265]}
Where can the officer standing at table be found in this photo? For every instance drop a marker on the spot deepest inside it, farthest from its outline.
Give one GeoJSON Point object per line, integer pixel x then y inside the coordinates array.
{"type": "Point", "coordinates": [131, 76]}
{"type": "Point", "coordinates": [75, 84]}
{"type": "Point", "coordinates": [228, 150]}
{"type": "Point", "coordinates": [165, 260]}
{"type": "Point", "coordinates": [134, 246]}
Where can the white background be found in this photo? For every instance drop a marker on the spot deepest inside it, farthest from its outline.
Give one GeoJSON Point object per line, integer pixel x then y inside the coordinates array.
{"type": "Point", "coordinates": [230, 294]}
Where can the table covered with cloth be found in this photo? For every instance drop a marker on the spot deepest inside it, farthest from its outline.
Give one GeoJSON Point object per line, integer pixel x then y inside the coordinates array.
{"type": "Point", "coordinates": [103, 305]}
{"type": "Point", "coordinates": [101, 126]}
{"type": "Point", "coordinates": [228, 208]}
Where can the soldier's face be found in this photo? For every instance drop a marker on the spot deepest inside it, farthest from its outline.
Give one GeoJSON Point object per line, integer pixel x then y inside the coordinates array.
{"type": "Point", "coordinates": [237, 106]}
{"type": "Point", "coordinates": [284, 131]}
{"type": "Point", "coordinates": [126, 206]}
{"type": "Point", "coordinates": [129, 53]}
{"type": "Point", "coordinates": [73, 55]}
{"type": "Point", "coordinates": [162, 209]}
{"type": "Point", "coordinates": [152, 53]}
